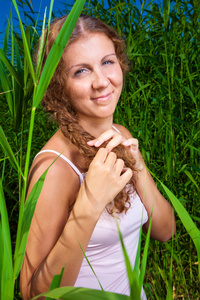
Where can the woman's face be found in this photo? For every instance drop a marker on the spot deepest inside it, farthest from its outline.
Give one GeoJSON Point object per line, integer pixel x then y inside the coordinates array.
{"type": "Point", "coordinates": [94, 77]}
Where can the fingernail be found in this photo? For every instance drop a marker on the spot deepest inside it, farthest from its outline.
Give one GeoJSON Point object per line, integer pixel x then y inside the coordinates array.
{"type": "Point", "coordinates": [97, 144]}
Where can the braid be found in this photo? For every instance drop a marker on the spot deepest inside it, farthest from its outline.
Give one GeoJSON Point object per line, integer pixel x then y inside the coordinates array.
{"type": "Point", "coordinates": [79, 137]}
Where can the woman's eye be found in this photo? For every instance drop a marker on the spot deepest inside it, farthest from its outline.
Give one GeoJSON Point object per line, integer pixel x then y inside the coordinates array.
{"type": "Point", "coordinates": [78, 72]}
{"type": "Point", "coordinates": [107, 62]}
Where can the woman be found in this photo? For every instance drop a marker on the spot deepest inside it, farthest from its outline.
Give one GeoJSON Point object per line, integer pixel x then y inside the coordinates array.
{"type": "Point", "coordinates": [99, 172]}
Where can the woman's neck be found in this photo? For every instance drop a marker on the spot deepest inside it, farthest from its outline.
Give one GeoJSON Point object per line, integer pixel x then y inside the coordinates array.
{"type": "Point", "coordinates": [96, 127]}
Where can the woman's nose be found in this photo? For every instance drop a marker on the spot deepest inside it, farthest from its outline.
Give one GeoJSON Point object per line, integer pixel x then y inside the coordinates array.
{"type": "Point", "coordinates": [100, 80]}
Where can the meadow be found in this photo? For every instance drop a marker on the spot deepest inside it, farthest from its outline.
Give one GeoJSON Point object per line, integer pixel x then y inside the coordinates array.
{"type": "Point", "coordinates": [159, 105]}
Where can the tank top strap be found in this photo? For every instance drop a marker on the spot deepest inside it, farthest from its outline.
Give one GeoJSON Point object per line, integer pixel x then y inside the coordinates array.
{"type": "Point", "coordinates": [116, 129]}
{"type": "Point", "coordinates": [81, 175]}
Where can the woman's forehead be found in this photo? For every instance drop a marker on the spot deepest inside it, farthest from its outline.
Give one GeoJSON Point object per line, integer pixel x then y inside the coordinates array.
{"type": "Point", "coordinates": [90, 40]}
{"type": "Point", "coordinates": [95, 44]}
{"type": "Point", "coordinates": [86, 36]}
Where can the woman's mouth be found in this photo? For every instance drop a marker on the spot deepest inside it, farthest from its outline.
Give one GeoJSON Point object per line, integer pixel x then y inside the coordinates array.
{"type": "Point", "coordinates": [103, 98]}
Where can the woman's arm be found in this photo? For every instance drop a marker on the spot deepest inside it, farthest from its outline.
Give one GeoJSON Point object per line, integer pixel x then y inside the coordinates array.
{"type": "Point", "coordinates": [163, 221]}
{"type": "Point", "coordinates": [54, 238]}
{"type": "Point", "coordinates": [163, 224]}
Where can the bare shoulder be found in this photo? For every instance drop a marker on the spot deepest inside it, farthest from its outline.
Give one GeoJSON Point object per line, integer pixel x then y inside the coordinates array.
{"type": "Point", "coordinates": [124, 131]}
{"type": "Point", "coordinates": [60, 178]}
{"type": "Point", "coordinates": [59, 191]}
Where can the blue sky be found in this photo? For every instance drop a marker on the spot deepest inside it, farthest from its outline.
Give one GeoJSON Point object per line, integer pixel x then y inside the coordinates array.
{"type": "Point", "coordinates": [5, 6]}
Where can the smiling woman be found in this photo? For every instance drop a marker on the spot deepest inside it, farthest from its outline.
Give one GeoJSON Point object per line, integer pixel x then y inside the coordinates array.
{"type": "Point", "coordinates": [94, 78]}
{"type": "Point", "coordinates": [100, 172]}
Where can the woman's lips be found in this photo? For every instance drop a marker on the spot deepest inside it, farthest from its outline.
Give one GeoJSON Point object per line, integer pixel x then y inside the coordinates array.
{"type": "Point", "coordinates": [103, 98]}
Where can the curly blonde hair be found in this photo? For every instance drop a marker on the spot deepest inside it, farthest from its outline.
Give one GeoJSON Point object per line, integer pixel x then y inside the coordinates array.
{"type": "Point", "coordinates": [56, 102]}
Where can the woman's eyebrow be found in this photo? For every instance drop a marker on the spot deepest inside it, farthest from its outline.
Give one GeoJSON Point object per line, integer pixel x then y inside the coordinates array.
{"type": "Point", "coordinates": [78, 65]}
{"type": "Point", "coordinates": [86, 65]}
{"type": "Point", "coordinates": [109, 55]}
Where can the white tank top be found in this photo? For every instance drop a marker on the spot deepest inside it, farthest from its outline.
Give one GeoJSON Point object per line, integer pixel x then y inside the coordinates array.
{"type": "Point", "coordinates": [104, 250]}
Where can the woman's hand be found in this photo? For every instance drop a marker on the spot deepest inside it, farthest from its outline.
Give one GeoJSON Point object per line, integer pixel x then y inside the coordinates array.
{"type": "Point", "coordinates": [115, 139]}
{"type": "Point", "coordinates": [105, 178]}
{"type": "Point", "coordinates": [163, 222]}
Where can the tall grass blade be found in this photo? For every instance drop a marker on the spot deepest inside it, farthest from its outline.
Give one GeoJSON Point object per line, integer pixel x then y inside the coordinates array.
{"type": "Point", "coordinates": [191, 95]}
{"type": "Point", "coordinates": [189, 225]}
{"type": "Point", "coordinates": [57, 51]}
{"type": "Point", "coordinates": [138, 254]}
{"type": "Point", "coordinates": [145, 254]}
{"type": "Point", "coordinates": [7, 88]}
{"type": "Point", "coordinates": [133, 277]}
{"type": "Point", "coordinates": [7, 149]}
{"type": "Point", "coordinates": [41, 49]}
{"type": "Point", "coordinates": [142, 88]}
{"type": "Point", "coordinates": [189, 175]}
{"type": "Point", "coordinates": [90, 266]}
{"type": "Point", "coordinates": [10, 67]}
{"type": "Point", "coordinates": [6, 37]}
{"type": "Point", "coordinates": [25, 43]}
{"type": "Point", "coordinates": [56, 281]}
{"type": "Point", "coordinates": [169, 287]}
{"type": "Point", "coordinates": [73, 293]}
{"type": "Point", "coordinates": [7, 287]}
{"type": "Point", "coordinates": [42, 44]}
{"type": "Point", "coordinates": [18, 94]}
{"type": "Point", "coordinates": [192, 147]}
{"type": "Point", "coordinates": [22, 235]}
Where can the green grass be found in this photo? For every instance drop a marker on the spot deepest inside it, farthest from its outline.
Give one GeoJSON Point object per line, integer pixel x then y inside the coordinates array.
{"type": "Point", "coordinates": [159, 105]}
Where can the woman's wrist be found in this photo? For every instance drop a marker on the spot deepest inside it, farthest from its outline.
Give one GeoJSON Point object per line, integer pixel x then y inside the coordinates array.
{"type": "Point", "coordinates": [139, 165]}
{"type": "Point", "coordinates": [88, 205]}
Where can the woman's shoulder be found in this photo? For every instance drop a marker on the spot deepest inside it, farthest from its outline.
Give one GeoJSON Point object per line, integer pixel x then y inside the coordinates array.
{"type": "Point", "coordinates": [59, 170]}
{"type": "Point", "coordinates": [54, 152]}
{"type": "Point", "coordinates": [123, 130]}
{"type": "Point", "coordinates": [49, 154]}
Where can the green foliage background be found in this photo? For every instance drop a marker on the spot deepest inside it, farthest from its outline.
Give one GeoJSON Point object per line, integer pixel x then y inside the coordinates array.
{"type": "Point", "coordinates": [159, 105]}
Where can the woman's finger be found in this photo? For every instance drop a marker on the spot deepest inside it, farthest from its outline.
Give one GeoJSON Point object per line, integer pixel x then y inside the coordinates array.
{"type": "Point", "coordinates": [107, 135]}
{"type": "Point", "coordinates": [131, 142]}
{"type": "Point", "coordinates": [114, 142]}
{"type": "Point", "coordinates": [119, 166]}
{"type": "Point", "coordinates": [101, 155]}
{"type": "Point", "coordinates": [111, 159]}
{"type": "Point", "coordinates": [126, 176]}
